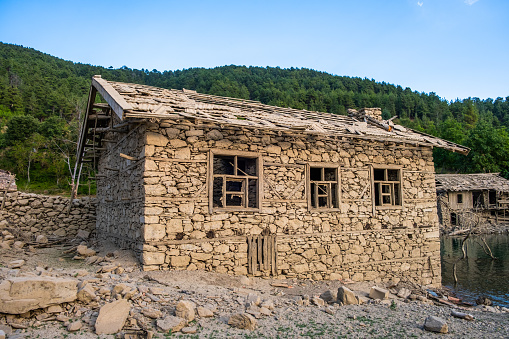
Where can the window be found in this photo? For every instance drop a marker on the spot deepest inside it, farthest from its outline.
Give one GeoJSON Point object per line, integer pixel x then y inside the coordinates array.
{"type": "Point", "coordinates": [323, 188]}
{"type": "Point", "coordinates": [387, 186]}
{"type": "Point", "coordinates": [454, 219]}
{"type": "Point", "coordinates": [235, 182]}
{"type": "Point", "coordinates": [459, 198]}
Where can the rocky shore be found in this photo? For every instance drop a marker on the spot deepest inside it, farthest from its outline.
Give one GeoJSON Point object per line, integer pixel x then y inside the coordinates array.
{"type": "Point", "coordinates": [81, 289]}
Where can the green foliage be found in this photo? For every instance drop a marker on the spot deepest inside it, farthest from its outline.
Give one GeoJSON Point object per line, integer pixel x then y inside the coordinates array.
{"type": "Point", "coordinates": [20, 128]}
{"type": "Point", "coordinates": [44, 95]}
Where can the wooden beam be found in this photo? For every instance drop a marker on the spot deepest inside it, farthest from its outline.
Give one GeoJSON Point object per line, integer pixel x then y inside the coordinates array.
{"type": "Point", "coordinates": [112, 97]}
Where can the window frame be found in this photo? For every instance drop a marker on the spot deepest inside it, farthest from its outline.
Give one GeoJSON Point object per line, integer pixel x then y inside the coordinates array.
{"type": "Point", "coordinates": [309, 183]}
{"type": "Point", "coordinates": [459, 198]}
{"type": "Point", "coordinates": [235, 177]}
{"type": "Point", "coordinates": [389, 183]}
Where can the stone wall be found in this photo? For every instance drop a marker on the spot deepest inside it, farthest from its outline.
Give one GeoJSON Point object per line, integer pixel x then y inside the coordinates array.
{"type": "Point", "coordinates": [34, 214]}
{"type": "Point", "coordinates": [179, 221]}
{"type": "Point", "coordinates": [120, 188]}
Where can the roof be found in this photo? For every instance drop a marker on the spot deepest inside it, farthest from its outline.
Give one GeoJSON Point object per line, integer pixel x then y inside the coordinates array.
{"type": "Point", "coordinates": [7, 181]}
{"type": "Point", "coordinates": [471, 182]}
{"type": "Point", "coordinates": [144, 102]}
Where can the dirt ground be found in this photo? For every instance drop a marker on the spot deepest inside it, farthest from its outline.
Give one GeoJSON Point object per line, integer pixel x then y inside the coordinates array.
{"type": "Point", "coordinates": [289, 310]}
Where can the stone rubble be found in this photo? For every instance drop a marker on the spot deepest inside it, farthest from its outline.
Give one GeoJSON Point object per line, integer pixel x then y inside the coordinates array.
{"type": "Point", "coordinates": [110, 297]}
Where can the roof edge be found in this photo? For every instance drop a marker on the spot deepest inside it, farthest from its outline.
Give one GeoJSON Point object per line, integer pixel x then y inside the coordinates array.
{"type": "Point", "coordinates": [112, 97]}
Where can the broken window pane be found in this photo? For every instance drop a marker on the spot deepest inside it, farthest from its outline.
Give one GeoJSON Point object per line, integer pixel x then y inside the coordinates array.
{"type": "Point", "coordinates": [315, 174]}
{"type": "Point", "coordinates": [224, 165]}
{"type": "Point", "coordinates": [392, 175]}
{"type": "Point", "coordinates": [234, 200]}
{"type": "Point", "coordinates": [330, 174]}
{"type": "Point", "coordinates": [246, 166]}
{"type": "Point", "coordinates": [234, 186]}
{"type": "Point", "coordinates": [379, 174]}
{"type": "Point", "coordinates": [252, 193]}
{"type": "Point", "coordinates": [217, 192]}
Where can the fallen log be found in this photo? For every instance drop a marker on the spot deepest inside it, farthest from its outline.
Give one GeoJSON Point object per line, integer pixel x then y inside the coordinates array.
{"type": "Point", "coordinates": [462, 315]}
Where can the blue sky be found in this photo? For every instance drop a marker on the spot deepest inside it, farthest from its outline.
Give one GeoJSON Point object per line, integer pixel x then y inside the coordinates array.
{"type": "Point", "coordinates": [455, 48]}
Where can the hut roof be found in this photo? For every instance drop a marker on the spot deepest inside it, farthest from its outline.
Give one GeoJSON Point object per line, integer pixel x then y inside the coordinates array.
{"type": "Point", "coordinates": [141, 101]}
{"type": "Point", "coordinates": [471, 182]}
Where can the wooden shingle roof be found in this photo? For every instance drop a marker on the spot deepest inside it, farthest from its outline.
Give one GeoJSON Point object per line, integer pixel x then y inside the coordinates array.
{"type": "Point", "coordinates": [471, 182]}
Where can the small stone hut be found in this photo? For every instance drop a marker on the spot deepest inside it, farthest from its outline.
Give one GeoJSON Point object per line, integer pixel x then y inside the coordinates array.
{"type": "Point", "coordinates": [7, 181]}
{"type": "Point", "coordinates": [195, 181]}
{"type": "Point", "coordinates": [472, 200]}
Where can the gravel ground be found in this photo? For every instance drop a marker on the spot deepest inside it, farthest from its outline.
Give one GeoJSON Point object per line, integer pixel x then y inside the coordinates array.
{"type": "Point", "coordinates": [227, 295]}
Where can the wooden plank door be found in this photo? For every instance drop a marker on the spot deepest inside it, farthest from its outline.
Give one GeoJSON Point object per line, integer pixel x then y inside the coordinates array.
{"type": "Point", "coordinates": [262, 255]}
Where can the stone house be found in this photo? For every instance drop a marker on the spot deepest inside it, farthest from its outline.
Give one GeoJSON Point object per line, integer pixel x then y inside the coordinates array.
{"type": "Point", "coordinates": [472, 200]}
{"type": "Point", "coordinates": [194, 181]}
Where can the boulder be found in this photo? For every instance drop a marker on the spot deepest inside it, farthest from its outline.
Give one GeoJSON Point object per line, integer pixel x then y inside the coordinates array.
{"type": "Point", "coordinates": [85, 251]}
{"type": "Point", "coordinates": [74, 326]}
{"type": "Point", "coordinates": [16, 263]}
{"type": "Point", "coordinates": [346, 296]}
{"type": "Point", "coordinates": [204, 312]}
{"type": "Point", "coordinates": [404, 293]}
{"type": "Point", "coordinates": [42, 239]}
{"type": "Point", "coordinates": [185, 309]}
{"type": "Point", "coordinates": [112, 317]}
{"type": "Point", "coordinates": [86, 294]}
{"type": "Point", "coordinates": [378, 293]}
{"type": "Point", "coordinates": [329, 296]}
{"type": "Point", "coordinates": [435, 324]}
{"type": "Point", "coordinates": [171, 323]}
{"type": "Point", "coordinates": [243, 321]}
{"type": "Point", "coordinates": [22, 294]}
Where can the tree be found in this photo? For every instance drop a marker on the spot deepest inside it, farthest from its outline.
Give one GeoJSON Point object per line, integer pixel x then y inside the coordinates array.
{"type": "Point", "coordinates": [20, 128]}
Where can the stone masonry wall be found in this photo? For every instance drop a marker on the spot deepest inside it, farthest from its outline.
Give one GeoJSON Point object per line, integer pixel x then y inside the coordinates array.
{"type": "Point", "coordinates": [34, 214]}
{"type": "Point", "coordinates": [120, 190]}
{"type": "Point", "coordinates": [374, 243]}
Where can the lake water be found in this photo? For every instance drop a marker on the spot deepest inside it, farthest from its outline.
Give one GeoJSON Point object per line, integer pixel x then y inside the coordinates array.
{"type": "Point", "coordinates": [478, 274]}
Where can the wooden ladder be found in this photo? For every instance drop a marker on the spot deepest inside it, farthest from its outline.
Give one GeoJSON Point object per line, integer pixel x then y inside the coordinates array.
{"type": "Point", "coordinates": [261, 254]}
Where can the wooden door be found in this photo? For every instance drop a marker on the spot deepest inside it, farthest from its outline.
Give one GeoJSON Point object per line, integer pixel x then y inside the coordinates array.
{"type": "Point", "coordinates": [262, 255]}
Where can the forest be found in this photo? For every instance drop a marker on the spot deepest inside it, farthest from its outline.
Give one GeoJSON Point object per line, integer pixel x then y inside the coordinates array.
{"type": "Point", "coordinates": [43, 97]}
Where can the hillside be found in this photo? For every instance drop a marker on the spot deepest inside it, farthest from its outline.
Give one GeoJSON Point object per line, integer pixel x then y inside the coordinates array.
{"type": "Point", "coordinates": [42, 97]}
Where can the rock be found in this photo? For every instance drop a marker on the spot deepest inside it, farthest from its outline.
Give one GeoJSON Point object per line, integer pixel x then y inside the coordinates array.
{"type": "Point", "coordinates": [6, 329]}
{"type": "Point", "coordinates": [484, 301]}
{"type": "Point", "coordinates": [378, 293]}
{"type": "Point", "coordinates": [242, 321]}
{"type": "Point", "coordinates": [214, 135]}
{"type": "Point", "coordinates": [189, 330]}
{"type": "Point", "coordinates": [253, 299]}
{"type": "Point", "coordinates": [329, 296]}
{"type": "Point", "coordinates": [112, 317]}
{"type": "Point", "coordinates": [435, 324]}
{"type": "Point", "coordinates": [74, 326]}
{"type": "Point", "coordinates": [404, 293]}
{"type": "Point", "coordinates": [55, 309]}
{"type": "Point", "coordinates": [19, 244]}
{"type": "Point", "coordinates": [22, 294]}
{"type": "Point", "coordinates": [83, 234]}
{"type": "Point", "coordinates": [269, 304]}
{"type": "Point", "coordinates": [185, 309]}
{"type": "Point", "coordinates": [86, 294]}
{"type": "Point", "coordinates": [151, 313]}
{"type": "Point", "coordinates": [42, 239]}
{"type": "Point", "coordinates": [85, 251]}
{"type": "Point", "coordinates": [16, 263]}
{"type": "Point", "coordinates": [346, 296]}
{"type": "Point", "coordinates": [171, 323]}
{"type": "Point", "coordinates": [318, 301]}
{"type": "Point", "coordinates": [204, 312]}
